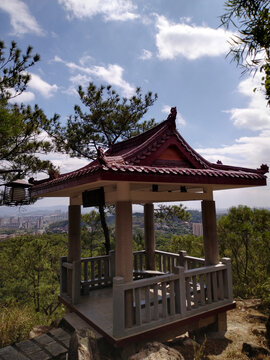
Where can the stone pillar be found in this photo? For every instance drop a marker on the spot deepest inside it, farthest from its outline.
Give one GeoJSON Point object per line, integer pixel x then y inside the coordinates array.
{"type": "Point", "coordinates": [74, 250]}
{"type": "Point", "coordinates": [123, 241]}
{"type": "Point", "coordinates": [149, 236]}
{"type": "Point", "coordinates": [124, 252]}
{"type": "Point", "coordinates": [210, 232]}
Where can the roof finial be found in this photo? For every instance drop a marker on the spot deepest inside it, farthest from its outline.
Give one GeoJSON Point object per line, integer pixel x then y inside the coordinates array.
{"type": "Point", "coordinates": [172, 116]}
{"type": "Point", "coordinates": [101, 156]}
{"type": "Point", "coordinates": [263, 169]}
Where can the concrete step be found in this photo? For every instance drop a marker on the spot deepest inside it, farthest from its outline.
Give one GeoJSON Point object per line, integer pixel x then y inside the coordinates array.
{"type": "Point", "coordinates": [52, 345]}
{"type": "Point", "coordinates": [72, 322]}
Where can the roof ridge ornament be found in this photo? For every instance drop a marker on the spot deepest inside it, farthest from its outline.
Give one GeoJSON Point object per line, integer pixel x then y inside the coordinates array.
{"type": "Point", "coordinates": [101, 156]}
{"type": "Point", "coordinates": [172, 117]}
{"type": "Point", "coordinates": [263, 169]}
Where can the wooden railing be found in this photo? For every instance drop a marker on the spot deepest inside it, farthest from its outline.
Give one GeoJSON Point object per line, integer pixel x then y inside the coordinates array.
{"type": "Point", "coordinates": [86, 274]}
{"type": "Point", "coordinates": [96, 272]}
{"type": "Point", "coordinates": [139, 260]}
{"type": "Point", "coordinates": [190, 262]}
{"type": "Point", "coordinates": [147, 303]}
{"type": "Point", "coordinates": [166, 261]}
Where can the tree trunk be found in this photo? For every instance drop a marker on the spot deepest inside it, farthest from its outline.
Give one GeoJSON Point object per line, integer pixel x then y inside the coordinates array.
{"type": "Point", "coordinates": [105, 229]}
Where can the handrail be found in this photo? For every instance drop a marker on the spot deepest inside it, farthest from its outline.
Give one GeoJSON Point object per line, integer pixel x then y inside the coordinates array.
{"type": "Point", "coordinates": [67, 265]}
{"type": "Point", "coordinates": [94, 258]}
{"type": "Point", "coordinates": [166, 253]}
{"type": "Point", "coordinates": [193, 258]}
{"type": "Point", "coordinates": [157, 300]}
{"type": "Point", "coordinates": [204, 270]}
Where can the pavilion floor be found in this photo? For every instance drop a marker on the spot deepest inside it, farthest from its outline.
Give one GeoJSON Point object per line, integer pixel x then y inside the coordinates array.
{"type": "Point", "coordinates": [97, 310]}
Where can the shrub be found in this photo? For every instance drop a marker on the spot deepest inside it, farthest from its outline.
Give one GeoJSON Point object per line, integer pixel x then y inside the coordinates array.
{"type": "Point", "coordinates": [15, 323]}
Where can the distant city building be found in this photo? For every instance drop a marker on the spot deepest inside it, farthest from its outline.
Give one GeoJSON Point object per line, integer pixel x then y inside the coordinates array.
{"type": "Point", "coordinates": [34, 224]}
{"type": "Point", "coordinates": [197, 229]}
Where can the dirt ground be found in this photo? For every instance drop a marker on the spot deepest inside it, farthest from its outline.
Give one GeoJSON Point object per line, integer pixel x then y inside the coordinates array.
{"type": "Point", "coordinates": [246, 324]}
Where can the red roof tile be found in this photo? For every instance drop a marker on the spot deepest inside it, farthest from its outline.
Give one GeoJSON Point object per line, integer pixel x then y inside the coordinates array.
{"type": "Point", "coordinates": [138, 159]}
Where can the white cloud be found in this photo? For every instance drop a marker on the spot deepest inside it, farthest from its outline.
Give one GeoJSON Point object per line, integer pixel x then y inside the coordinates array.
{"type": "Point", "coordinates": [44, 88]}
{"type": "Point", "coordinates": [20, 18]}
{"type": "Point", "coordinates": [146, 55]}
{"type": "Point", "coordinates": [80, 79]}
{"type": "Point", "coordinates": [25, 97]}
{"type": "Point", "coordinates": [86, 60]}
{"type": "Point", "coordinates": [35, 84]}
{"type": "Point", "coordinates": [180, 121]}
{"type": "Point", "coordinates": [256, 116]}
{"type": "Point", "coordinates": [66, 163]}
{"type": "Point", "coordinates": [246, 151]}
{"type": "Point", "coordinates": [189, 41]}
{"type": "Point", "coordinates": [111, 10]}
{"type": "Point", "coordinates": [112, 74]}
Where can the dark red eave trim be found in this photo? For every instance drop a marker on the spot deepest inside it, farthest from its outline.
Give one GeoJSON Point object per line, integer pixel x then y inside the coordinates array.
{"type": "Point", "coordinates": [135, 176]}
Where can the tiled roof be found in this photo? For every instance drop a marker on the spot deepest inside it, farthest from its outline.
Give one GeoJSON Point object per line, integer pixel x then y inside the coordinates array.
{"type": "Point", "coordinates": [136, 159]}
{"type": "Point", "coordinates": [178, 175]}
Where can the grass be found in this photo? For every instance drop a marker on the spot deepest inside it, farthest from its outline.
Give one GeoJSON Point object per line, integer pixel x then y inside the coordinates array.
{"type": "Point", "coordinates": [15, 324]}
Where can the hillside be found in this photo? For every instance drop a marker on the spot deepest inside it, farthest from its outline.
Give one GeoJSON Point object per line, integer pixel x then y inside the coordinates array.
{"type": "Point", "coordinates": [246, 324]}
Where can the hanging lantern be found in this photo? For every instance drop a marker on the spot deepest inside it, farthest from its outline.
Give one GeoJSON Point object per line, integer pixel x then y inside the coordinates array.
{"type": "Point", "coordinates": [17, 192]}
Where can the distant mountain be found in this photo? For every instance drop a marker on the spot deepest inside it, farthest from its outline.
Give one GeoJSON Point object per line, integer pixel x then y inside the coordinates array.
{"type": "Point", "coordinates": [8, 211]}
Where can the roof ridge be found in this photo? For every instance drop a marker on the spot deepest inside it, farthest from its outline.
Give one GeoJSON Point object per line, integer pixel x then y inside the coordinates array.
{"type": "Point", "coordinates": [134, 140]}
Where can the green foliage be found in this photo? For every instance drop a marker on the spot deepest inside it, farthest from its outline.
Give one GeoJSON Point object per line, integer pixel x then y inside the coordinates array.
{"type": "Point", "coordinates": [251, 48]}
{"type": "Point", "coordinates": [244, 236]}
{"type": "Point", "coordinates": [15, 323]}
{"type": "Point", "coordinates": [30, 271]}
{"type": "Point", "coordinates": [192, 244]}
{"type": "Point", "coordinates": [138, 239]}
{"type": "Point", "coordinates": [20, 141]}
{"type": "Point", "coordinates": [91, 235]}
{"type": "Point", "coordinates": [172, 218]}
{"type": "Point", "coordinates": [13, 66]}
{"type": "Point", "coordinates": [200, 351]}
{"type": "Point", "coordinates": [20, 126]}
{"type": "Point", "coordinates": [170, 213]}
{"type": "Point", "coordinates": [104, 120]}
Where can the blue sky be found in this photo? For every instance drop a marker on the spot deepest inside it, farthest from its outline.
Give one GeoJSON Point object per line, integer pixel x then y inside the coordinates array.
{"type": "Point", "coordinates": [172, 47]}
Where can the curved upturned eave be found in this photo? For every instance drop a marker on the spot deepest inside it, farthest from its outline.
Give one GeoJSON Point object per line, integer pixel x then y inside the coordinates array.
{"type": "Point", "coordinates": [150, 174]}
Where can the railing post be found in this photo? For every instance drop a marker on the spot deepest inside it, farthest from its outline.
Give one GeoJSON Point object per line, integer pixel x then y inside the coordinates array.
{"type": "Point", "coordinates": [118, 307]}
{"type": "Point", "coordinates": [112, 263]}
{"type": "Point", "coordinates": [182, 259]}
{"type": "Point", "coordinates": [228, 278]}
{"type": "Point", "coordinates": [63, 276]}
{"type": "Point", "coordinates": [76, 282]}
{"type": "Point", "coordinates": [180, 291]}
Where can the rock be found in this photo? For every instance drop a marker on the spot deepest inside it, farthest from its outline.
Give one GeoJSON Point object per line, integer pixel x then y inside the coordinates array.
{"type": "Point", "coordinates": [254, 351]}
{"type": "Point", "coordinates": [157, 351]}
{"type": "Point", "coordinates": [39, 330]}
{"type": "Point", "coordinates": [83, 346]}
{"type": "Point", "coordinates": [190, 342]}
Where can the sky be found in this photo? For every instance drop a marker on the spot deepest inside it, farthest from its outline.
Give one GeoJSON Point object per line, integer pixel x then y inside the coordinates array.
{"type": "Point", "coordinates": [175, 48]}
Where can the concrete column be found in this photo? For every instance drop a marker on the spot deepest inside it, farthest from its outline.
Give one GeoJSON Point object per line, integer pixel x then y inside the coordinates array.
{"type": "Point", "coordinates": [149, 236]}
{"type": "Point", "coordinates": [124, 252]}
{"type": "Point", "coordinates": [123, 242]}
{"type": "Point", "coordinates": [74, 246]}
{"type": "Point", "coordinates": [210, 232]}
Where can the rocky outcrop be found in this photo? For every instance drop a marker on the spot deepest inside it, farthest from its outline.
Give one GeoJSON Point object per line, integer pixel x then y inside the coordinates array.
{"type": "Point", "coordinates": [157, 351]}
{"type": "Point", "coordinates": [254, 351]}
{"type": "Point", "coordinates": [83, 346]}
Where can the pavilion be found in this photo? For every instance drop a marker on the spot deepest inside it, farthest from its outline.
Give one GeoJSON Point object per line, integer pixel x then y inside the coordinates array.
{"type": "Point", "coordinates": [129, 295]}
